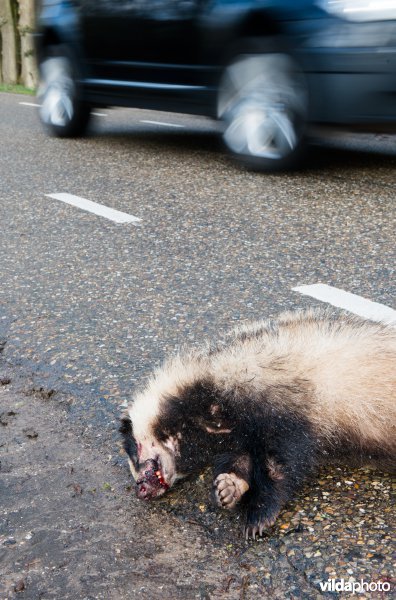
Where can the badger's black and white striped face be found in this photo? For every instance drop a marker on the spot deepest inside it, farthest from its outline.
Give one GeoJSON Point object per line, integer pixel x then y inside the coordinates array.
{"type": "Point", "coordinates": [152, 460]}
{"type": "Point", "coordinates": [169, 436]}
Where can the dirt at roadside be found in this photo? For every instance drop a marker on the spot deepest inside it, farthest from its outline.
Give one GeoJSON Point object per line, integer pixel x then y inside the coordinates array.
{"type": "Point", "coordinates": [71, 527]}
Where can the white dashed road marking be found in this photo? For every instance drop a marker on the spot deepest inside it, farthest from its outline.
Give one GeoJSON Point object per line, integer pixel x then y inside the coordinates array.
{"type": "Point", "coordinates": [94, 207]}
{"type": "Point", "coordinates": [351, 302]}
{"type": "Point", "coordinates": [30, 104]}
{"type": "Point", "coordinates": [95, 114]}
{"type": "Point", "coordinates": [162, 123]}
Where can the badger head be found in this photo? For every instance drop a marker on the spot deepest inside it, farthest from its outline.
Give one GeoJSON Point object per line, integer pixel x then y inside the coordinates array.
{"type": "Point", "coordinates": [170, 434]}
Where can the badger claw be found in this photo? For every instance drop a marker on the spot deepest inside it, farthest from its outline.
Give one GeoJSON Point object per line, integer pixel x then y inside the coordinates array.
{"type": "Point", "coordinates": [229, 489]}
{"type": "Point", "coordinates": [257, 523]}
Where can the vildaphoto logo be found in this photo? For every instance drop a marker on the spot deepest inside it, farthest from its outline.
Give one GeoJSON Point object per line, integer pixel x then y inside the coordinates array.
{"type": "Point", "coordinates": [354, 587]}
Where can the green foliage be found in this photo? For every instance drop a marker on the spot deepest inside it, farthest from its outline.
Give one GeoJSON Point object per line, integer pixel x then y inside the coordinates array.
{"type": "Point", "coordinates": [17, 89]}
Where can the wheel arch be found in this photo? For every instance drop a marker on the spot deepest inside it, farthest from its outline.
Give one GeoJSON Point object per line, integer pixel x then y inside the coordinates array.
{"type": "Point", "coordinates": [259, 23]}
{"type": "Point", "coordinates": [47, 37]}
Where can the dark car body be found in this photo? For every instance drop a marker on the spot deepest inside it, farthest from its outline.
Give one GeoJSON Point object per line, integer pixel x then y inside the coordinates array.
{"type": "Point", "coordinates": [173, 55]}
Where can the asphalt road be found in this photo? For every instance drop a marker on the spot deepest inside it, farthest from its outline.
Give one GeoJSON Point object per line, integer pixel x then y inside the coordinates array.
{"type": "Point", "coordinates": [88, 307]}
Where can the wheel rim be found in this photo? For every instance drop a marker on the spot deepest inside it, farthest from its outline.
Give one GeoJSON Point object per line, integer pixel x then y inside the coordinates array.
{"type": "Point", "coordinates": [56, 92]}
{"type": "Point", "coordinates": [262, 102]}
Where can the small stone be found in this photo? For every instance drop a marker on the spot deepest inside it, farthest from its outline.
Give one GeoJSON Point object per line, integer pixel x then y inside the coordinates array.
{"type": "Point", "coordinates": [77, 489]}
{"type": "Point", "coordinates": [19, 586]}
{"type": "Point", "coordinates": [10, 542]}
{"type": "Point", "coordinates": [30, 433]}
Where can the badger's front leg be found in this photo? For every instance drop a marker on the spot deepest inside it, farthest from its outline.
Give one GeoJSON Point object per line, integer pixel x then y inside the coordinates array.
{"type": "Point", "coordinates": [270, 490]}
{"type": "Point", "coordinates": [232, 476]}
{"type": "Point", "coordinates": [277, 472]}
{"type": "Point", "coordinates": [229, 489]}
{"type": "Point", "coordinates": [266, 474]}
{"type": "Point", "coordinates": [259, 481]}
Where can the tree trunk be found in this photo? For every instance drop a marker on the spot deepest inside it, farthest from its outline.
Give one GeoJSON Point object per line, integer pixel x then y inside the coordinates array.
{"type": "Point", "coordinates": [8, 44]}
{"type": "Point", "coordinates": [26, 28]}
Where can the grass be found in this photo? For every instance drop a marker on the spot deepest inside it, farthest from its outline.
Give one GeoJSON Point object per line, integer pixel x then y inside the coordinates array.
{"type": "Point", "coordinates": [17, 89]}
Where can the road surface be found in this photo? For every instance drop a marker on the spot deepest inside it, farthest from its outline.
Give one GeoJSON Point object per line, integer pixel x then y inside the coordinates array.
{"type": "Point", "coordinates": [90, 305]}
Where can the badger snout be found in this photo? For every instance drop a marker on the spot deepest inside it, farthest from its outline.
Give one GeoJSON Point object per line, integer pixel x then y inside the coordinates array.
{"type": "Point", "coordinates": [150, 482]}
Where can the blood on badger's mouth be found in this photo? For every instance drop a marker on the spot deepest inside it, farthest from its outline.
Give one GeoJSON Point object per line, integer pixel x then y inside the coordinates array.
{"type": "Point", "coordinates": [151, 482]}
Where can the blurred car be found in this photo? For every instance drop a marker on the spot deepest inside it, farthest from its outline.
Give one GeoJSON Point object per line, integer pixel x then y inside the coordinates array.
{"type": "Point", "coordinates": [268, 69]}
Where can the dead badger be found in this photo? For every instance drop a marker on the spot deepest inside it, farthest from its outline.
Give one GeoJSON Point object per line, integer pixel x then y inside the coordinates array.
{"type": "Point", "coordinates": [265, 408]}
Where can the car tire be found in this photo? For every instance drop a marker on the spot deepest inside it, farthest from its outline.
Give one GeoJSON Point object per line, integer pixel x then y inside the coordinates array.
{"type": "Point", "coordinates": [62, 108]}
{"type": "Point", "coordinates": [263, 104]}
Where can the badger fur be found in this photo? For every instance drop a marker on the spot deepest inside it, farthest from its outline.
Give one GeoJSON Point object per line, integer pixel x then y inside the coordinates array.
{"type": "Point", "coordinates": [264, 408]}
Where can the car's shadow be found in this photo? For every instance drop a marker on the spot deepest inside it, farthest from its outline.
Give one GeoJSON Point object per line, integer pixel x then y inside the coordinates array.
{"type": "Point", "coordinates": [351, 154]}
{"type": "Point", "coordinates": [178, 141]}
{"type": "Point", "coordinates": [322, 155]}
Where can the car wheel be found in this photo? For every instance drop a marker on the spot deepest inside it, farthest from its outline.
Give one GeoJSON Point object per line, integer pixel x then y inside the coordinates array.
{"type": "Point", "coordinates": [263, 105]}
{"type": "Point", "coordinates": [62, 110]}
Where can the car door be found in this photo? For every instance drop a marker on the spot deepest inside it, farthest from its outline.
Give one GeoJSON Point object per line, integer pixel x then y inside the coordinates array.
{"type": "Point", "coordinates": [143, 40]}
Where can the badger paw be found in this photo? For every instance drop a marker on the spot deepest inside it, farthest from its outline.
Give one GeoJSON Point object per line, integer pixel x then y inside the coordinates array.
{"type": "Point", "coordinates": [229, 489]}
{"type": "Point", "coordinates": [258, 521]}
